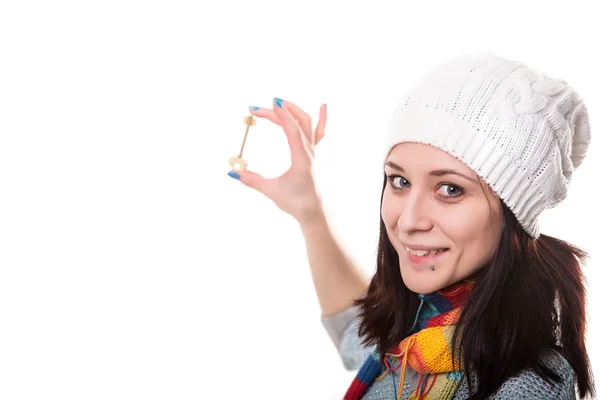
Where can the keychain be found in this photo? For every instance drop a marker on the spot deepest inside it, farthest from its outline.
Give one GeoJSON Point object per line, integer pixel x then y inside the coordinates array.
{"type": "Point", "coordinates": [238, 162]}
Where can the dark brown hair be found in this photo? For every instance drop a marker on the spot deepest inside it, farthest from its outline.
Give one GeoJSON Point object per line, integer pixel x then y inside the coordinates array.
{"type": "Point", "coordinates": [530, 297]}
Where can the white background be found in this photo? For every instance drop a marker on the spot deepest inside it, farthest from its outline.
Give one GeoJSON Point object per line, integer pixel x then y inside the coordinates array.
{"type": "Point", "coordinates": [132, 266]}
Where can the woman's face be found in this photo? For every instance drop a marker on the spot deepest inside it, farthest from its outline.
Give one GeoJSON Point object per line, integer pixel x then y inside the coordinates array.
{"type": "Point", "coordinates": [435, 206]}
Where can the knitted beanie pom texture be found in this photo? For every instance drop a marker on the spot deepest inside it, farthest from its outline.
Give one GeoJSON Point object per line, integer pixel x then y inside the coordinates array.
{"type": "Point", "coordinates": [521, 131]}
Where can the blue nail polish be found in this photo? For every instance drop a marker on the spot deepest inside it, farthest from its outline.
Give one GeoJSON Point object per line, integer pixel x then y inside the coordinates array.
{"type": "Point", "coordinates": [234, 175]}
{"type": "Point", "coordinates": [254, 108]}
{"type": "Point", "coordinates": [278, 102]}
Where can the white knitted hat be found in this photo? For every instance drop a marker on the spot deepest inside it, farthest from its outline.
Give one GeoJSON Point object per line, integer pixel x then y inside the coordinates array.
{"type": "Point", "coordinates": [521, 131]}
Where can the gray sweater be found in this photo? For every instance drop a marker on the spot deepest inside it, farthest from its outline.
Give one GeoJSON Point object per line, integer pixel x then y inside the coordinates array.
{"type": "Point", "coordinates": [343, 331]}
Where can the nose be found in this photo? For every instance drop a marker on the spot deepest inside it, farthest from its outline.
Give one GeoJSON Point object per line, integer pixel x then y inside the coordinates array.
{"type": "Point", "coordinates": [415, 214]}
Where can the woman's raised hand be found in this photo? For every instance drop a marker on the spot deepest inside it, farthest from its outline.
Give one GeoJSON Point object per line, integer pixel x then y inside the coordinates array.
{"type": "Point", "coordinates": [295, 191]}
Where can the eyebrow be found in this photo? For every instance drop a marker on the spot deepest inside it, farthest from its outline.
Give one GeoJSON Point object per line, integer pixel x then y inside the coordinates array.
{"type": "Point", "coordinates": [437, 172]}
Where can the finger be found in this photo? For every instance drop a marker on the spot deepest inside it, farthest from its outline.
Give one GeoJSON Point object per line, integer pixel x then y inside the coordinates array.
{"type": "Point", "coordinates": [271, 116]}
{"type": "Point", "coordinates": [304, 120]}
{"type": "Point", "coordinates": [300, 151]}
{"type": "Point", "coordinates": [250, 179]}
{"type": "Point", "coordinates": [320, 129]}
{"type": "Point", "coordinates": [262, 112]}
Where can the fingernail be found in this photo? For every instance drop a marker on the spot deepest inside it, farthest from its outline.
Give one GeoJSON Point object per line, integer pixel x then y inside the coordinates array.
{"type": "Point", "coordinates": [233, 174]}
{"type": "Point", "coordinates": [278, 101]}
{"type": "Point", "coordinates": [254, 108]}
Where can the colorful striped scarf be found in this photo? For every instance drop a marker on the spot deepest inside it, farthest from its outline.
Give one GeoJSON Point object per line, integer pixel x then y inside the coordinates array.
{"type": "Point", "coordinates": [426, 351]}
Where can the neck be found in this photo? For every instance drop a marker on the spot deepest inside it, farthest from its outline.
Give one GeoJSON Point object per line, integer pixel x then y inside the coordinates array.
{"type": "Point", "coordinates": [441, 302]}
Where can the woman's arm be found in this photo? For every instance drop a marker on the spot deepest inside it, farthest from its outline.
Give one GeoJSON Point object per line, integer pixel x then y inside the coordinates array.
{"type": "Point", "coordinates": [337, 278]}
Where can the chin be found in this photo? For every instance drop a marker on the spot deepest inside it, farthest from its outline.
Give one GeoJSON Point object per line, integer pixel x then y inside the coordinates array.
{"type": "Point", "coordinates": [422, 284]}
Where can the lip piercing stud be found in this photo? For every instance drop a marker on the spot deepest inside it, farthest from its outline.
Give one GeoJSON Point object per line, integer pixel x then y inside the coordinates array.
{"type": "Point", "coordinates": [238, 162]}
{"type": "Point", "coordinates": [432, 268]}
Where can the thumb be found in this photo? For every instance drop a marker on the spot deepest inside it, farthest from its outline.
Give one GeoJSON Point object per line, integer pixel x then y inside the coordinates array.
{"type": "Point", "coordinates": [250, 179]}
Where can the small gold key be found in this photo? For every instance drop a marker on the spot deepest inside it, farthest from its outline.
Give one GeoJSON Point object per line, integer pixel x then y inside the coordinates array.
{"type": "Point", "coordinates": [238, 162]}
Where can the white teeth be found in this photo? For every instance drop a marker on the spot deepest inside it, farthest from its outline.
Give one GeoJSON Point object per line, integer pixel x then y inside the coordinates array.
{"type": "Point", "coordinates": [422, 253]}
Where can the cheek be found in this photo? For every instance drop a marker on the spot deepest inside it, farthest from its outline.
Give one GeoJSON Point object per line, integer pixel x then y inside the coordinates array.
{"type": "Point", "coordinates": [465, 225]}
{"type": "Point", "coordinates": [473, 236]}
{"type": "Point", "coordinates": [389, 212]}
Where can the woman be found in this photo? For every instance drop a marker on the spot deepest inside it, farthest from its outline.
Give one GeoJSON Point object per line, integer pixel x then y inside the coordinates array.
{"type": "Point", "coordinates": [469, 300]}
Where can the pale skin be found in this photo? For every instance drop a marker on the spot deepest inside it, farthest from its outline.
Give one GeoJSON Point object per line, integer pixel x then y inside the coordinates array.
{"type": "Point", "coordinates": [337, 278]}
{"type": "Point", "coordinates": [450, 208]}
{"type": "Point", "coordinates": [294, 192]}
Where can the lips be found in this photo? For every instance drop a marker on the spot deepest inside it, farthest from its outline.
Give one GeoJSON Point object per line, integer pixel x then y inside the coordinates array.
{"type": "Point", "coordinates": [422, 253]}
{"type": "Point", "coordinates": [424, 256]}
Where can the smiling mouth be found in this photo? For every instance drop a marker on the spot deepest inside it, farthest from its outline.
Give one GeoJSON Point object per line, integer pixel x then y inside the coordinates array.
{"type": "Point", "coordinates": [424, 256]}
{"type": "Point", "coordinates": [424, 253]}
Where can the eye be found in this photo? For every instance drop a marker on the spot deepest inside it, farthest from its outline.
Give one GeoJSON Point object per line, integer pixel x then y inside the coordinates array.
{"type": "Point", "coordinates": [451, 190]}
{"type": "Point", "coordinates": [398, 182]}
